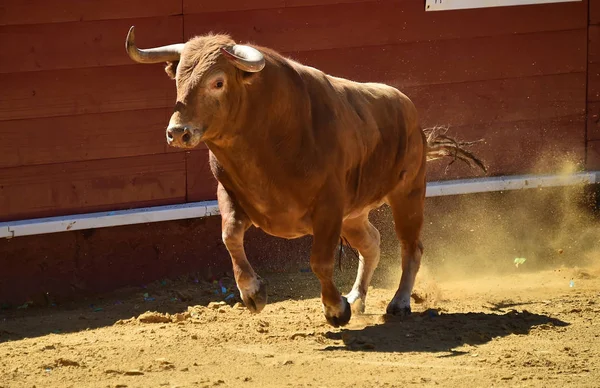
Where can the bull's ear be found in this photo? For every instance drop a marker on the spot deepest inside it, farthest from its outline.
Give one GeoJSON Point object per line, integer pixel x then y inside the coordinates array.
{"type": "Point", "coordinates": [248, 78]}
{"type": "Point", "coordinates": [171, 69]}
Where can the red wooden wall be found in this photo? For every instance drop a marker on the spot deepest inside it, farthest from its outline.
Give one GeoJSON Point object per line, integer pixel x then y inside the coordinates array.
{"type": "Point", "coordinates": [593, 104]}
{"type": "Point", "coordinates": [82, 127]}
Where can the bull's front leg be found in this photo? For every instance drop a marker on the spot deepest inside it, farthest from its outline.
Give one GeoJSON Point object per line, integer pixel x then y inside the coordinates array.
{"type": "Point", "coordinates": [234, 224]}
{"type": "Point", "coordinates": [327, 225]}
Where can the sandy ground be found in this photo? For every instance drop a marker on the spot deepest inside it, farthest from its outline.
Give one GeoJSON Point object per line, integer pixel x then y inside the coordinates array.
{"type": "Point", "coordinates": [523, 328]}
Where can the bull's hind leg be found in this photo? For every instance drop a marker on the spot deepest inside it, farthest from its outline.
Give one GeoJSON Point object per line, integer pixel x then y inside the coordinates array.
{"type": "Point", "coordinates": [362, 235]}
{"type": "Point", "coordinates": [407, 209]}
{"type": "Point", "coordinates": [234, 224]}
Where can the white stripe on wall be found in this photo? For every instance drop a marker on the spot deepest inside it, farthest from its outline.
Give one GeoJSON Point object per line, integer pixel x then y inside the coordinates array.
{"type": "Point", "coordinates": [209, 208]}
{"type": "Point", "coordinates": [448, 5]}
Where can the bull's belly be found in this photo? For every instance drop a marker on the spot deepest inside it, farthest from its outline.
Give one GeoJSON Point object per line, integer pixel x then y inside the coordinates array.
{"type": "Point", "coordinates": [292, 225]}
{"type": "Point", "coordinates": [285, 225]}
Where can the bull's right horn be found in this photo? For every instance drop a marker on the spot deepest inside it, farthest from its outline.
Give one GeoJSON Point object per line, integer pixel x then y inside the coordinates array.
{"type": "Point", "coordinates": [152, 55]}
{"type": "Point", "coordinates": [245, 58]}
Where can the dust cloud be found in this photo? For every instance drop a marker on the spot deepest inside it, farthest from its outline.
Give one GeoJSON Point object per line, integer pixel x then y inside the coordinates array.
{"type": "Point", "coordinates": [501, 233]}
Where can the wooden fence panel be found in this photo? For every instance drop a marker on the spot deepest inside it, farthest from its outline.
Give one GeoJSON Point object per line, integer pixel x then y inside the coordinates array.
{"type": "Point", "coordinates": [454, 61]}
{"type": "Point", "coordinates": [49, 11]}
{"type": "Point", "coordinates": [593, 121]}
{"type": "Point", "coordinates": [201, 184]}
{"type": "Point", "coordinates": [84, 126]}
{"type": "Point", "coordinates": [504, 100]}
{"type": "Point", "coordinates": [107, 184]}
{"type": "Point", "coordinates": [593, 86]}
{"type": "Point", "coordinates": [593, 155]}
{"type": "Point", "coordinates": [65, 139]}
{"type": "Point", "coordinates": [594, 17]}
{"type": "Point", "coordinates": [80, 44]}
{"type": "Point", "coordinates": [193, 6]}
{"type": "Point", "coordinates": [82, 91]}
{"type": "Point", "coordinates": [312, 28]}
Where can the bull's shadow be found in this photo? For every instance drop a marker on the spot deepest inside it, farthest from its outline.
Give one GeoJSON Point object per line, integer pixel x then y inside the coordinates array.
{"type": "Point", "coordinates": [438, 333]}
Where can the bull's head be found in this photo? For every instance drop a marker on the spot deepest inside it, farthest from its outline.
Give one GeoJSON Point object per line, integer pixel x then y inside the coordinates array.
{"type": "Point", "coordinates": [211, 73]}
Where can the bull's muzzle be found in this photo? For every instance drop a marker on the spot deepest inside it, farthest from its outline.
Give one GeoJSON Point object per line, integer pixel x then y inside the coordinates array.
{"type": "Point", "coordinates": [182, 137]}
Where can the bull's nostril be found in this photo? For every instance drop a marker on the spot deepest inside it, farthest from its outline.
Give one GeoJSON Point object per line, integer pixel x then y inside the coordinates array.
{"type": "Point", "coordinates": [170, 135]}
{"type": "Point", "coordinates": [185, 137]}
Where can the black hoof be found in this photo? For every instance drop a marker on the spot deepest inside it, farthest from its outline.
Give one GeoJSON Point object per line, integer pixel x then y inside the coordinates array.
{"type": "Point", "coordinates": [344, 318]}
{"type": "Point", "coordinates": [255, 303]}
{"type": "Point", "coordinates": [398, 311]}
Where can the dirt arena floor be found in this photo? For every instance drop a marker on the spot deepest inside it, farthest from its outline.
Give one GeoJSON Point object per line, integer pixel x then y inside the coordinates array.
{"type": "Point", "coordinates": [508, 295]}
{"type": "Point", "coordinates": [526, 329]}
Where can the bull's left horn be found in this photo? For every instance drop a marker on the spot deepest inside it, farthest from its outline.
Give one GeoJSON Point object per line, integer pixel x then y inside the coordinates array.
{"type": "Point", "coordinates": [152, 55]}
{"type": "Point", "coordinates": [245, 58]}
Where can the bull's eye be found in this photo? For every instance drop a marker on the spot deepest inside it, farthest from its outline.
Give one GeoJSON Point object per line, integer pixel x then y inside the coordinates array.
{"type": "Point", "coordinates": [218, 84]}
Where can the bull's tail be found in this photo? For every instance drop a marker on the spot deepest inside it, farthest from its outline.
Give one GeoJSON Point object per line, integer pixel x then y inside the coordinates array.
{"type": "Point", "coordinates": [439, 145]}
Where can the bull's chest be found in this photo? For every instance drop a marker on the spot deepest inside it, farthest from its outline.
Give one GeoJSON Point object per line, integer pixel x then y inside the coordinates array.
{"type": "Point", "coordinates": [272, 206]}
{"type": "Point", "coordinates": [271, 197]}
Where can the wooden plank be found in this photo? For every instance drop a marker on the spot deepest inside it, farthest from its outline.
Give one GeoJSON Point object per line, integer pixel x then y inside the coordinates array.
{"type": "Point", "coordinates": [201, 184]}
{"type": "Point", "coordinates": [475, 59]}
{"type": "Point", "coordinates": [43, 11]}
{"type": "Point", "coordinates": [66, 188]}
{"type": "Point", "coordinates": [80, 44]}
{"type": "Point", "coordinates": [518, 147]}
{"type": "Point", "coordinates": [193, 6]}
{"type": "Point", "coordinates": [515, 99]}
{"type": "Point", "coordinates": [81, 91]}
{"type": "Point", "coordinates": [594, 44]}
{"type": "Point", "coordinates": [311, 28]}
{"type": "Point", "coordinates": [594, 11]}
{"type": "Point", "coordinates": [593, 121]}
{"type": "Point", "coordinates": [593, 155]}
{"type": "Point", "coordinates": [83, 137]}
{"type": "Point", "coordinates": [594, 82]}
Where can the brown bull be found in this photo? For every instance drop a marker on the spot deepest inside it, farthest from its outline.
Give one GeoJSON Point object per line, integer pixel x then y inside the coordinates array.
{"type": "Point", "coordinates": [298, 152]}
